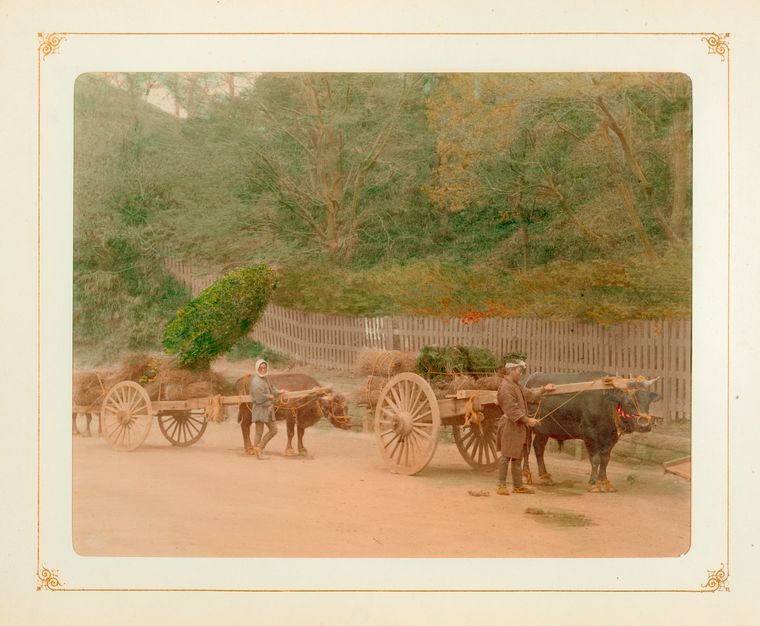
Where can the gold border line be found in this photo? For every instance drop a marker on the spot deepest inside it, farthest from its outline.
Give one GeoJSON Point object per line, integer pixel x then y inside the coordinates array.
{"type": "Point", "coordinates": [728, 321]}
{"type": "Point", "coordinates": [382, 33]}
{"type": "Point", "coordinates": [39, 248]}
{"type": "Point", "coordinates": [186, 590]}
{"type": "Point", "coordinates": [400, 34]}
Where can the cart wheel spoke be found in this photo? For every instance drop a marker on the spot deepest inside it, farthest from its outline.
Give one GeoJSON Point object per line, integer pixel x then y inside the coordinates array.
{"type": "Point", "coordinates": [477, 444]}
{"type": "Point", "coordinates": [421, 415]}
{"type": "Point", "coordinates": [181, 427]}
{"type": "Point", "coordinates": [407, 419]}
{"type": "Point", "coordinates": [126, 416]}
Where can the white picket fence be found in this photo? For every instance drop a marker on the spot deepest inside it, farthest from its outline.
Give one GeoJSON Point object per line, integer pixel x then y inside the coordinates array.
{"type": "Point", "coordinates": [652, 348]}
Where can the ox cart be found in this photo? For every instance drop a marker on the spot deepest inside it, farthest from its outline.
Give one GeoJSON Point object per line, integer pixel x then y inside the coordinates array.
{"type": "Point", "coordinates": [126, 414]}
{"type": "Point", "coordinates": [408, 417]}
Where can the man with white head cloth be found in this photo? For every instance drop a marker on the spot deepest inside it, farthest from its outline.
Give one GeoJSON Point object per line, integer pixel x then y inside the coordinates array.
{"type": "Point", "coordinates": [512, 435]}
{"type": "Point", "coordinates": [262, 406]}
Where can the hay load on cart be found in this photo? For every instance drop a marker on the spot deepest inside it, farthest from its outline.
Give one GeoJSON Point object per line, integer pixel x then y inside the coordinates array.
{"type": "Point", "coordinates": [127, 414]}
{"type": "Point", "coordinates": [182, 393]}
{"type": "Point", "coordinates": [408, 417]}
{"type": "Point", "coordinates": [404, 387]}
{"type": "Point", "coordinates": [447, 369]}
{"type": "Point", "coordinates": [448, 386]}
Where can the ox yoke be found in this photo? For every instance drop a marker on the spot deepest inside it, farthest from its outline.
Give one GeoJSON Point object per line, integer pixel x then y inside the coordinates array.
{"type": "Point", "coordinates": [600, 384]}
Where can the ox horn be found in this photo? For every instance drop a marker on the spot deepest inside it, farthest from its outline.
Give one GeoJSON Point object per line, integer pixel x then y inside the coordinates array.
{"type": "Point", "coordinates": [651, 381]}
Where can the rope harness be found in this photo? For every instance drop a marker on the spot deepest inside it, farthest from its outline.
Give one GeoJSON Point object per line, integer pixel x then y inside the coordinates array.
{"type": "Point", "coordinates": [214, 411]}
{"type": "Point", "coordinates": [332, 403]}
{"type": "Point", "coordinates": [557, 408]}
{"type": "Point", "coordinates": [471, 416]}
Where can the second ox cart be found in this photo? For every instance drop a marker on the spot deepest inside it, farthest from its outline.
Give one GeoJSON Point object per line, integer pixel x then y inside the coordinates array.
{"type": "Point", "coordinates": [408, 417]}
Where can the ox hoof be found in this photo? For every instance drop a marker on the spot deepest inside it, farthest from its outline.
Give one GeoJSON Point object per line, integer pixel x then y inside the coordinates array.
{"type": "Point", "coordinates": [607, 486]}
{"type": "Point", "coordinates": [527, 477]}
{"type": "Point", "coordinates": [501, 490]}
{"type": "Point", "coordinates": [290, 452]}
{"type": "Point", "coordinates": [595, 488]}
{"type": "Point", "coordinates": [303, 452]}
{"type": "Point", "coordinates": [249, 451]}
{"type": "Point", "coordinates": [257, 452]}
{"type": "Point", "coordinates": [546, 479]}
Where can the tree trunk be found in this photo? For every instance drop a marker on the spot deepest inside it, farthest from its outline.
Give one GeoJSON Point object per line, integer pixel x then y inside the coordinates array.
{"type": "Point", "coordinates": [525, 244]}
{"type": "Point", "coordinates": [629, 204]}
{"type": "Point", "coordinates": [625, 144]}
{"type": "Point", "coordinates": [633, 163]}
{"type": "Point", "coordinates": [192, 96]}
{"type": "Point", "coordinates": [630, 207]}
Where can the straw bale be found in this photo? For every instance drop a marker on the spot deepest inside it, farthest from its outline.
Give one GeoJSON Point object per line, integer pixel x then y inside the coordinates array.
{"type": "Point", "coordinates": [163, 381]}
{"type": "Point", "coordinates": [487, 383]}
{"type": "Point", "coordinates": [139, 368]}
{"type": "Point", "coordinates": [369, 393]}
{"type": "Point", "coordinates": [89, 388]}
{"type": "Point", "coordinates": [384, 362]}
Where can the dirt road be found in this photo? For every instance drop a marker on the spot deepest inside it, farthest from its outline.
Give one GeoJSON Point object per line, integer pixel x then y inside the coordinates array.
{"type": "Point", "coordinates": [212, 500]}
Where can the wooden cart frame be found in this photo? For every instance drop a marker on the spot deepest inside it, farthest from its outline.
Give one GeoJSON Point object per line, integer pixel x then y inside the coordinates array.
{"type": "Point", "coordinates": [126, 414]}
{"type": "Point", "coordinates": [408, 417]}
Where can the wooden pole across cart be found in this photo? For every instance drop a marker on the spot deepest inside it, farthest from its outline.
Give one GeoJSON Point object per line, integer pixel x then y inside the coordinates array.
{"type": "Point", "coordinates": [489, 397]}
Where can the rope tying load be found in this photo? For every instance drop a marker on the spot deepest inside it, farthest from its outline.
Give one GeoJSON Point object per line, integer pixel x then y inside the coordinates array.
{"type": "Point", "coordinates": [471, 416]}
{"type": "Point", "coordinates": [214, 409]}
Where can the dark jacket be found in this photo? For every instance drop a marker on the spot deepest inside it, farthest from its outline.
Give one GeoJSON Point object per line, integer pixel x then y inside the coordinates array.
{"type": "Point", "coordinates": [512, 432]}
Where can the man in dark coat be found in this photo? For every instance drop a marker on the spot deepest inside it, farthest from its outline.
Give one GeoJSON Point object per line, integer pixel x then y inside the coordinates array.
{"type": "Point", "coordinates": [512, 433]}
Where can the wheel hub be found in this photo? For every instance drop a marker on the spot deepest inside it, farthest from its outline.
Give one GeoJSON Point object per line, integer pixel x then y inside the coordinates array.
{"type": "Point", "coordinates": [123, 416]}
{"type": "Point", "coordinates": [402, 423]}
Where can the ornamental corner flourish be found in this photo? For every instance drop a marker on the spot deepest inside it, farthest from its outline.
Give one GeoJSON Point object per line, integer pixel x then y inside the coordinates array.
{"type": "Point", "coordinates": [718, 44]}
{"type": "Point", "coordinates": [48, 579]}
{"type": "Point", "coordinates": [716, 580]}
{"type": "Point", "coordinates": [49, 43]}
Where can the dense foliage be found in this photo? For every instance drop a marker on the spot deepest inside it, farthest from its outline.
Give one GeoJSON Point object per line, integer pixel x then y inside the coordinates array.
{"type": "Point", "coordinates": [565, 196]}
{"type": "Point", "coordinates": [219, 317]}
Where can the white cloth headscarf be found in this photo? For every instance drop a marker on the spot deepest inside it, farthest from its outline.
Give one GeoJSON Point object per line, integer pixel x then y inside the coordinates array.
{"type": "Point", "coordinates": [258, 365]}
{"type": "Point", "coordinates": [516, 363]}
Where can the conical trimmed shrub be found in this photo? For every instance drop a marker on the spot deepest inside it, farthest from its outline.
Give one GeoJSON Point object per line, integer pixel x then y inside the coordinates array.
{"type": "Point", "coordinates": [213, 322]}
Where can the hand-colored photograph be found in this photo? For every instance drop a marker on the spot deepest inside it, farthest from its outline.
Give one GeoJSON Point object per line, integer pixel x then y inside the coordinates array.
{"type": "Point", "coordinates": [382, 315]}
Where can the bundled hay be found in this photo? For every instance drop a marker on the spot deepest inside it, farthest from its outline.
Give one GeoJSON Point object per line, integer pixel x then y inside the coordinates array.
{"type": "Point", "coordinates": [461, 382]}
{"type": "Point", "coordinates": [161, 380]}
{"type": "Point", "coordinates": [384, 363]}
{"type": "Point", "coordinates": [180, 384]}
{"type": "Point", "coordinates": [379, 366]}
{"type": "Point", "coordinates": [369, 394]}
{"type": "Point", "coordinates": [89, 388]}
{"type": "Point", "coordinates": [489, 383]}
{"type": "Point", "coordinates": [139, 368]}
{"type": "Point", "coordinates": [435, 362]}
{"type": "Point", "coordinates": [486, 383]}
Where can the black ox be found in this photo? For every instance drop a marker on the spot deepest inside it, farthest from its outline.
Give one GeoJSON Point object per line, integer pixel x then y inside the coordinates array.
{"type": "Point", "coordinates": [597, 417]}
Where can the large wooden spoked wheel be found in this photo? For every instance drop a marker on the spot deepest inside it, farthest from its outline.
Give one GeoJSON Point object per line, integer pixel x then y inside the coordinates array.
{"type": "Point", "coordinates": [182, 428]}
{"type": "Point", "coordinates": [407, 419]}
{"type": "Point", "coordinates": [477, 444]}
{"type": "Point", "coordinates": [126, 416]}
